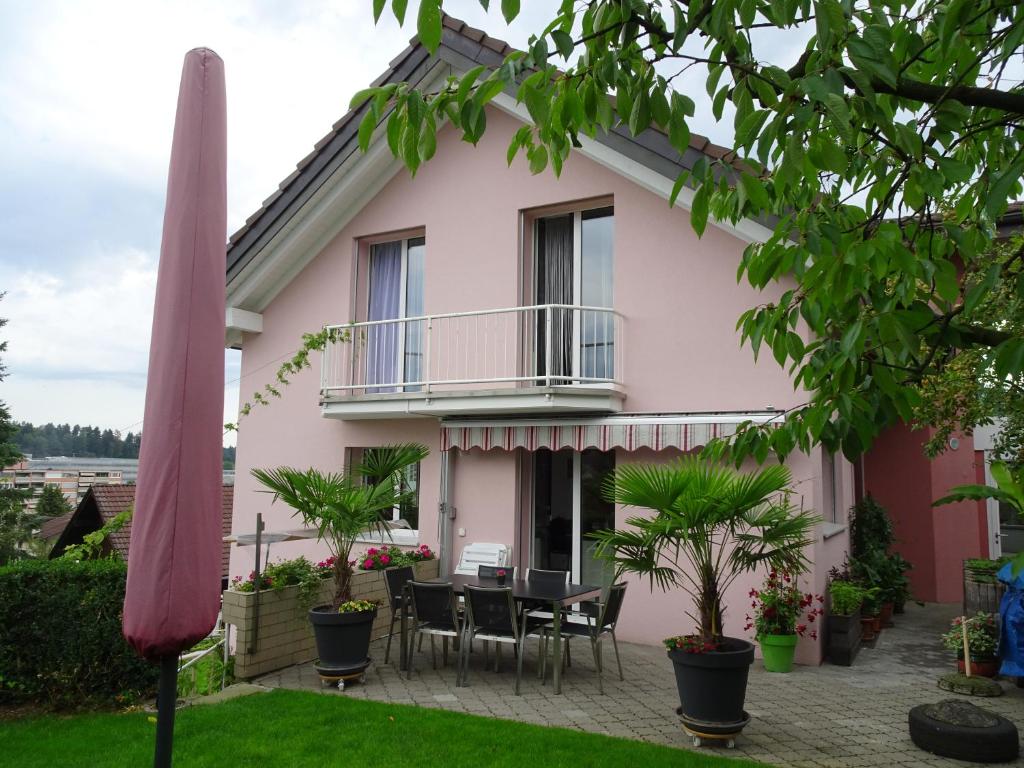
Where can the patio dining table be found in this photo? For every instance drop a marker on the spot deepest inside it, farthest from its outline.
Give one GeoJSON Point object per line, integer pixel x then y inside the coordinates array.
{"type": "Point", "coordinates": [555, 597]}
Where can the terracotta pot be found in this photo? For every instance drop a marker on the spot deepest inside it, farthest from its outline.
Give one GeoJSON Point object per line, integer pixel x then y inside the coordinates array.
{"type": "Point", "coordinates": [979, 667]}
{"type": "Point", "coordinates": [867, 629]}
{"type": "Point", "coordinates": [885, 614]}
{"type": "Point", "coordinates": [876, 622]}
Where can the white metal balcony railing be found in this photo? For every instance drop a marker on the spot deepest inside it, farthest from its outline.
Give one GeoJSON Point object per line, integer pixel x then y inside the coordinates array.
{"type": "Point", "coordinates": [542, 345]}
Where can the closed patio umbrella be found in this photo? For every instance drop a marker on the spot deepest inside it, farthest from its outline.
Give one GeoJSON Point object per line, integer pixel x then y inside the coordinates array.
{"type": "Point", "coordinates": [174, 562]}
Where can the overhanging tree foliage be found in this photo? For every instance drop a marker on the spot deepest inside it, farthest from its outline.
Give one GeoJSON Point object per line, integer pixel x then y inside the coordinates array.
{"type": "Point", "coordinates": [881, 152]}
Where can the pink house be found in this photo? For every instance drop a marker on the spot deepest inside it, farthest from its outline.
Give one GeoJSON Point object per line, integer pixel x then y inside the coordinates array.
{"type": "Point", "coordinates": [533, 332]}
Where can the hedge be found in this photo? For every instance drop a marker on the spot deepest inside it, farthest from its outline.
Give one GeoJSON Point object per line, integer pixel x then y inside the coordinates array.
{"type": "Point", "coordinates": [60, 635]}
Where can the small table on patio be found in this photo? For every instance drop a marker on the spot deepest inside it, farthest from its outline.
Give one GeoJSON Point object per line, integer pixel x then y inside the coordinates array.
{"type": "Point", "coordinates": [555, 596]}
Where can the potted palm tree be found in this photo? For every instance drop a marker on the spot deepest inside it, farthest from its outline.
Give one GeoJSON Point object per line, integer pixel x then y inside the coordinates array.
{"type": "Point", "coordinates": [711, 524]}
{"type": "Point", "coordinates": [342, 507]}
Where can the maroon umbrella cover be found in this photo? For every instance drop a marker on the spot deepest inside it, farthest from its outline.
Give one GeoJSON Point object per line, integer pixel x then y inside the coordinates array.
{"type": "Point", "coordinates": [174, 563]}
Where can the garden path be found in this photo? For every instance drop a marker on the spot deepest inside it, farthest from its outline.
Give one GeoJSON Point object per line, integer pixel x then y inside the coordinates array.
{"type": "Point", "coordinates": [839, 717]}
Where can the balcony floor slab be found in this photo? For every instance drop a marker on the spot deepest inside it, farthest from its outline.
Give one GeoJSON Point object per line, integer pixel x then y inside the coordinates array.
{"type": "Point", "coordinates": [469, 402]}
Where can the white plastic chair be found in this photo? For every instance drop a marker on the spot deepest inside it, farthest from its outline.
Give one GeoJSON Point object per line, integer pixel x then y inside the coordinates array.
{"type": "Point", "coordinates": [480, 553]}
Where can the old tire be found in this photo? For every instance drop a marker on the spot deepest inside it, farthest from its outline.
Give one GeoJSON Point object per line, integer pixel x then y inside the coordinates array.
{"type": "Point", "coordinates": [989, 738]}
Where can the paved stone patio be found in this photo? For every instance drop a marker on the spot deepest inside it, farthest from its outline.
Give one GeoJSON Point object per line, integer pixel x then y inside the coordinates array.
{"type": "Point", "coordinates": [842, 717]}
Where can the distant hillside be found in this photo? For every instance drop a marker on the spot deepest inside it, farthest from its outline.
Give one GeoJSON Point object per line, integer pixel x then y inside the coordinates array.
{"type": "Point", "coordinates": [86, 442]}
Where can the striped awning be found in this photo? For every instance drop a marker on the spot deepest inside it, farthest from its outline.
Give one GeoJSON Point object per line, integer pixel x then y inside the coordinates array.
{"type": "Point", "coordinates": [683, 432]}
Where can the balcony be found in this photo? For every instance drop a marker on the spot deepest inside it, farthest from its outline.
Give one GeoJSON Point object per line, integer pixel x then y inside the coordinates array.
{"type": "Point", "coordinates": [540, 359]}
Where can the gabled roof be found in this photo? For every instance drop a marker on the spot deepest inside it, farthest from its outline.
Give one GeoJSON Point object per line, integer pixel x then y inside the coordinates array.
{"type": "Point", "coordinates": [462, 47]}
{"type": "Point", "coordinates": [55, 525]}
{"type": "Point", "coordinates": [103, 502]}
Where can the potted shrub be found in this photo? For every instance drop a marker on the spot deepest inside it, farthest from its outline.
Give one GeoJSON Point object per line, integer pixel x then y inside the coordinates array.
{"type": "Point", "coordinates": [711, 524]}
{"type": "Point", "coordinates": [983, 640]}
{"type": "Point", "coordinates": [843, 622]}
{"type": "Point", "coordinates": [778, 608]}
{"type": "Point", "coordinates": [343, 506]}
{"type": "Point", "coordinates": [870, 622]}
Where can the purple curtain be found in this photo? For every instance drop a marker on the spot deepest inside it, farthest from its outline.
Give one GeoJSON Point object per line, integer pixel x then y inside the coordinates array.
{"type": "Point", "coordinates": [385, 304]}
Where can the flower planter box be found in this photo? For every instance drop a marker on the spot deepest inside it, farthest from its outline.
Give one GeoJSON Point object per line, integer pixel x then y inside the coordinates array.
{"type": "Point", "coordinates": [285, 636]}
{"type": "Point", "coordinates": [982, 591]}
{"type": "Point", "coordinates": [844, 634]}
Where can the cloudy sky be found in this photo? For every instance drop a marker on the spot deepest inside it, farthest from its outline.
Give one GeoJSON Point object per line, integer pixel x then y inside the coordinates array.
{"type": "Point", "coordinates": [87, 96]}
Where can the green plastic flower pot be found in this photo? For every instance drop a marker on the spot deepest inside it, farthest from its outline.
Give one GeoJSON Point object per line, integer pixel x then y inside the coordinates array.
{"type": "Point", "coordinates": [778, 651]}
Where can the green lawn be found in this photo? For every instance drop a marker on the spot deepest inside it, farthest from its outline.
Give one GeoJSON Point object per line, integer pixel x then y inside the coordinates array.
{"type": "Point", "coordinates": [297, 728]}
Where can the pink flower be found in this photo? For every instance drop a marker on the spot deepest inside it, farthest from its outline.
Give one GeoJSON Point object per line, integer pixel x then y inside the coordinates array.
{"type": "Point", "coordinates": [384, 559]}
{"type": "Point", "coordinates": [371, 551]}
{"type": "Point", "coordinates": [368, 563]}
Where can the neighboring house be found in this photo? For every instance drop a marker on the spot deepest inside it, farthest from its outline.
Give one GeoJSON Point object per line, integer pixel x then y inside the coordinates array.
{"type": "Point", "coordinates": [102, 503]}
{"type": "Point", "coordinates": [533, 332]}
{"type": "Point", "coordinates": [936, 540]}
{"type": "Point", "coordinates": [51, 529]}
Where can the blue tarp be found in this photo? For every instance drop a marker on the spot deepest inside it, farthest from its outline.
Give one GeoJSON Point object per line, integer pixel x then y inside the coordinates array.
{"type": "Point", "coordinates": [1011, 633]}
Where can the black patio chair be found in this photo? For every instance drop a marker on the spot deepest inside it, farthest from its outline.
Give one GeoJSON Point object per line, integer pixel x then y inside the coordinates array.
{"type": "Point", "coordinates": [601, 619]}
{"type": "Point", "coordinates": [491, 615]}
{"type": "Point", "coordinates": [435, 613]}
{"type": "Point", "coordinates": [491, 571]}
{"type": "Point", "coordinates": [395, 580]}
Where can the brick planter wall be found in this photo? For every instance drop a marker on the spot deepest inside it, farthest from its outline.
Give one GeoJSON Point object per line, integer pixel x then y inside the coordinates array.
{"type": "Point", "coordinates": [285, 635]}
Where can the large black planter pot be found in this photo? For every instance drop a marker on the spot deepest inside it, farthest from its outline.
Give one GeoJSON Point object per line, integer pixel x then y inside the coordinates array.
{"type": "Point", "coordinates": [342, 639]}
{"type": "Point", "coordinates": [713, 686]}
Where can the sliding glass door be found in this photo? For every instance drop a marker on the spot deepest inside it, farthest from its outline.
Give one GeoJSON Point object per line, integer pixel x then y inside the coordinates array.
{"type": "Point", "coordinates": [394, 349]}
{"type": "Point", "coordinates": [568, 505]}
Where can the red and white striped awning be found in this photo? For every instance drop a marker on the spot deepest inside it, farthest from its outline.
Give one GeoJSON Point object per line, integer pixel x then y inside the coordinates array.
{"type": "Point", "coordinates": [684, 432]}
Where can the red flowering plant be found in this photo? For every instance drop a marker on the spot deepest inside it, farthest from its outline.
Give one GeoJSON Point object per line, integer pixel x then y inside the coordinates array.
{"type": "Point", "coordinates": [379, 558]}
{"type": "Point", "coordinates": [779, 607]}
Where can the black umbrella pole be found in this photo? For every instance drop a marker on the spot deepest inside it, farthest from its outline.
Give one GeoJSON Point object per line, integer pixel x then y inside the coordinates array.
{"type": "Point", "coordinates": [167, 700]}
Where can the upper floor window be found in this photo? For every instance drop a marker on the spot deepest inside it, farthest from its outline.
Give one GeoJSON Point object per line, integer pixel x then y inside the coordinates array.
{"type": "Point", "coordinates": [573, 267]}
{"type": "Point", "coordinates": [394, 348]}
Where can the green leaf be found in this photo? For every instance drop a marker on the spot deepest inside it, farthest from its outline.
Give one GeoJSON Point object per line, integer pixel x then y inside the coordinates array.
{"type": "Point", "coordinates": [537, 103]}
{"type": "Point", "coordinates": [378, 9]}
{"type": "Point", "coordinates": [361, 97]}
{"type": "Point", "coordinates": [466, 84]}
{"type": "Point", "coordinates": [947, 283]}
{"type": "Point", "coordinates": [1010, 358]}
{"type": "Point", "coordinates": [428, 24]}
{"type": "Point", "coordinates": [366, 126]}
{"type": "Point", "coordinates": [999, 190]}
{"type": "Point", "coordinates": [678, 187]}
{"type": "Point", "coordinates": [538, 157]}
{"type": "Point", "coordinates": [755, 192]}
{"type": "Point", "coordinates": [395, 134]}
{"type": "Point", "coordinates": [509, 9]}
{"type": "Point", "coordinates": [398, 8]}
{"type": "Point", "coordinates": [849, 340]}
{"type": "Point", "coordinates": [954, 170]}
{"type": "Point", "coordinates": [699, 210]}
{"type": "Point", "coordinates": [640, 117]}
{"type": "Point", "coordinates": [428, 139]}
{"type": "Point", "coordinates": [563, 42]}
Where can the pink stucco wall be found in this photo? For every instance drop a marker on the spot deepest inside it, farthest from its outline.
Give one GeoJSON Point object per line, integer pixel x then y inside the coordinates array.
{"type": "Point", "coordinates": [934, 539]}
{"type": "Point", "coordinates": [678, 294]}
